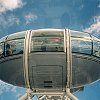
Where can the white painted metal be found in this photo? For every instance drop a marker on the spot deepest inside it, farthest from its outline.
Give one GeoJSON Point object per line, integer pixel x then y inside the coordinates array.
{"type": "Point", "coordinates": [41, 98]}
{"type": "Point", "coordinates": [70, 95]}
{"type": "Point", "coordinates": [67, 46]}
{"type": "Point", "coordinates": [25, 59]}
{"type": "Point", "coordinates": [24, 97]}
{"type": "Point", "coordinates": [27, 43]}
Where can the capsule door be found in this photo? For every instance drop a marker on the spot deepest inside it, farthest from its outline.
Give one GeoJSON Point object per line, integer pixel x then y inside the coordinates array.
{"type": "Point", "coordinates": [47, 64]}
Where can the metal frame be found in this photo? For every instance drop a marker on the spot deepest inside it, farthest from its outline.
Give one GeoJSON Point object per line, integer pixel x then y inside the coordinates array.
{"type": "Point", "coordinates": [67, 95]}
{"type": "Point", "coordinates": [26, 65]}
{"type": "Point", "coordinates": [67, 50]}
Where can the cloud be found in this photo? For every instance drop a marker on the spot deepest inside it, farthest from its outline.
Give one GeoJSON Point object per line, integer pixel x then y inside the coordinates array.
{"type": "Point", "coordinates": [95, 26]}
{"type": "Point", "coordinates": [6, 5]}
{"type": "Point", "coordinates": [7, 21]}
{"type": "Point", "coordinates": [98, 6]}
{"type": "Point", "coordinates": [11, 20]}
{"type": "Point", "coordinates": [4, 87]}
{"type": "Point", "coordinates": [29, 18]}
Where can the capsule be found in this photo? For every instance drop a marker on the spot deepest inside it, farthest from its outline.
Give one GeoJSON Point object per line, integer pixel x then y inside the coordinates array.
{"type": "Point", "coordinates": [39, 59]}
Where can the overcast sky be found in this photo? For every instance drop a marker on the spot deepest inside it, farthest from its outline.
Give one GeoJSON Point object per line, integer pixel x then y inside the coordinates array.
{"type": "Point", "coordinates": [21, 15]}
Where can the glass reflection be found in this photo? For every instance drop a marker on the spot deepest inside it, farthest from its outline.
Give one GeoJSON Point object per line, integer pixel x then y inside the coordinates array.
{"type": "Point", "coordinates": [50, 41]}
{"type": "Point", "coordinates": [1, 50]}
{"type": "Point", "coordinates": [81, 46]}
{"type": "Point", "coordinates": [16, 35]}
{"type": "Point", "coordinates": [96, 48]}
{"type": "Point", "coordinates": [47, 41]}
{"type": "Point", "coordinates": [14, 47]}
{"type": "Point", "coordinates": [80, 34]}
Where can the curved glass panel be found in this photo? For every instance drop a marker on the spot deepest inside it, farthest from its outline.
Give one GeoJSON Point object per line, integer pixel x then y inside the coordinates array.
{"type": "Point", "coordinates": [47, 41]}
{"type": "Point", "coordinates": [48, 34]}
{"type": "Point", "coordinates": [81, 46]}
{"type": "Point", "coordinates": [96, 48]}
{"type": "Point", "coordinates": [80, 34]}
{"type": "Point", "coordinates": [18, 35]}
{"type": "Point", "coordinates": [14, 43]}
{"type": "Point", "coordinates": [1, 50]}
{"type": "Point", "coordinates": [14, 47]}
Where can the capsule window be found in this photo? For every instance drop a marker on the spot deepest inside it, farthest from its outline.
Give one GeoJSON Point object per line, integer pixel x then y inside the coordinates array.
{"type": "Point", "coordinates": [46, 42]}
{"type": "Point", "coordinates": [81, 46]}
{"type": "Point", "coordinates": [14, 47]}
{"type": "Point", "coordinates": [80, 34]}
{"type": "Point", "coordinates": [96, 48]}
{"type": "Point", "coordinates": [1, 50]}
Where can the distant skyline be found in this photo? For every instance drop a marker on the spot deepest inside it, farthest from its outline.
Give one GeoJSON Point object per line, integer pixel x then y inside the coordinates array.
{"type": "Point", "coordinates": [21, 15]}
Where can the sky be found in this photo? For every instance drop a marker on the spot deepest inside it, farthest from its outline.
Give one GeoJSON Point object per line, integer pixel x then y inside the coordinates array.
{"type": "Point", "coordinates": [21, 15]}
